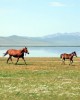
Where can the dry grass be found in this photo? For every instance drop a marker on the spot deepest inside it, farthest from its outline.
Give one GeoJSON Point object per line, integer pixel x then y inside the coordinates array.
{"type": "Point", "coordinates": [40, 79]}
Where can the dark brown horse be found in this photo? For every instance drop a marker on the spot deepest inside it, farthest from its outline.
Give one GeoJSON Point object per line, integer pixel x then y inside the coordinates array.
{"type": "Point", "coordinates": [16, 53]}
{"type": "Point", "coordinates": [68, 56]}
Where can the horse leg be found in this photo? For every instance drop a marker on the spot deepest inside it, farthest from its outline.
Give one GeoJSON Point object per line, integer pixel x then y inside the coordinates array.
{"type": "Point", "coordinates": [8, 59]}
{"type": "Point", "coordinates": [63, 61]}
{"type": "Point", "coordinates": [71, 61]}
{"type": "Point", "coordinates": [24, 60]}
{"type": "Point", "coordinates": [17, 60]}
{"type": "Point", "coordinates": [11, 59]}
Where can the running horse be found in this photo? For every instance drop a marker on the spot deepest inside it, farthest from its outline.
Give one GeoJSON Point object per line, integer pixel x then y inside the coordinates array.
{"type": "Point", "coordinates": [68, 56]}
{"type": "Point", "coordinates": [16, 53]}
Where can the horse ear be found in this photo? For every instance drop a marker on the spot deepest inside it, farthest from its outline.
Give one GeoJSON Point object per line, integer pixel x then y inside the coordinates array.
{"type": "Point", "coordinates": [25, 47]}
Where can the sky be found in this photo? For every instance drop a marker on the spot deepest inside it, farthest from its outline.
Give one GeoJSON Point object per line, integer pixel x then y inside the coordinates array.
{"type": "Point", "coordinates": [35, 18]}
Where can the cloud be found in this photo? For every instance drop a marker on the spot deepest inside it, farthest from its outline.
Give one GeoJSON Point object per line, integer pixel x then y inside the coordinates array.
{"type": "Point", "coordinates": [56, 4]}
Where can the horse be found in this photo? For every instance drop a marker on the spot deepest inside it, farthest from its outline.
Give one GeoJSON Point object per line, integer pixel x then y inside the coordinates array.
{"type": "Point", "coordinates": [68, 56]}
{"type": "Point", "coordinates": [16, 53]}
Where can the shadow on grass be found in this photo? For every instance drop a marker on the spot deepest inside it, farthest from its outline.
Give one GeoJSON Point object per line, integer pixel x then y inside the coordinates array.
{"type": "Point", "coordinates": [22, 64]}
{"type": "Point", "coordinates": [19, 64]}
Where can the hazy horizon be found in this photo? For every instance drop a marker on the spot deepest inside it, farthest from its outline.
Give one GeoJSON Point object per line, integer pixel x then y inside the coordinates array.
{"type": "Point", "coordinates": [74, 33]}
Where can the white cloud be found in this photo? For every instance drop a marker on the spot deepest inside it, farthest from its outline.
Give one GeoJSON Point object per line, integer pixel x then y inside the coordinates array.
{"type": "Point", "coordinates": [56, 4]}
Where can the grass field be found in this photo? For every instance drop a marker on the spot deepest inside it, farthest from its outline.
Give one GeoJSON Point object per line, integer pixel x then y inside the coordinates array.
{"type": "Point", "coordinates": [40, 79]}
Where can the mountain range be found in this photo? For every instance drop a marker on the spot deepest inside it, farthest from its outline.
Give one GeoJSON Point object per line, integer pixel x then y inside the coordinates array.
{"type": "Point", "coordinates": [58, 39]}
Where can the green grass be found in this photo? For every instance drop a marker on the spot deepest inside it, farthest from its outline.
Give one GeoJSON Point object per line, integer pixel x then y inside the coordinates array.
{"type": "Point", "coordinates": [40, 79]}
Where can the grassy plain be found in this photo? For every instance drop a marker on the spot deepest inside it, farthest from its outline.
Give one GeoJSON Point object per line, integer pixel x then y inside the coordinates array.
{"type": "Point", "coordinates": [40, 79]}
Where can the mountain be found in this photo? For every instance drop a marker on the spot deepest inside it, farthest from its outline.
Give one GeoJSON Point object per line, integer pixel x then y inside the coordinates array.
{"type": "Point", "coordinates": [64, 39]}
{"type": "Point", "coordinates": [21, 41]}
{"type": "Point", "coordinates": [58, 39]}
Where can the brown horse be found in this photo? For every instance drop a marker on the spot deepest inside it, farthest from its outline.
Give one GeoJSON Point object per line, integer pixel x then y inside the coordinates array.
{"type": "Point", "coordinates": [68, 56]}
{"type": "Point", "coordinates": [16, 53]}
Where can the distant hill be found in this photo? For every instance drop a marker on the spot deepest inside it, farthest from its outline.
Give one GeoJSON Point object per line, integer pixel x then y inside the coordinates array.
{"type": "Point", "coordinates": [58, 39]}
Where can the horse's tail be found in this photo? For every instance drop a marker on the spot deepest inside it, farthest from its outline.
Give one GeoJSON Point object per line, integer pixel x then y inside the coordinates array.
{"type": "Point", "coordinates": [61, 56]}
{"type": "Point", "coordinates": [6, 53]}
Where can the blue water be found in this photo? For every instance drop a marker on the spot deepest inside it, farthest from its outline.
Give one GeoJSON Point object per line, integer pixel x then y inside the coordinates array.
{"type": "Point", "coordinates": [44, 51]}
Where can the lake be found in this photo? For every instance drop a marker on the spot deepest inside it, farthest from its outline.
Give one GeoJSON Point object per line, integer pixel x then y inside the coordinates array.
{"type": "Point", "coordinates": [44, 51]}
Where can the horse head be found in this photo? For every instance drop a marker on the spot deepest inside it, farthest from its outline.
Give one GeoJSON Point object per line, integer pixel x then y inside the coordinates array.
{"type": "Point", "coordinates": [25, 50]}
{"type": "Point", "coordinates": [74, 53]}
